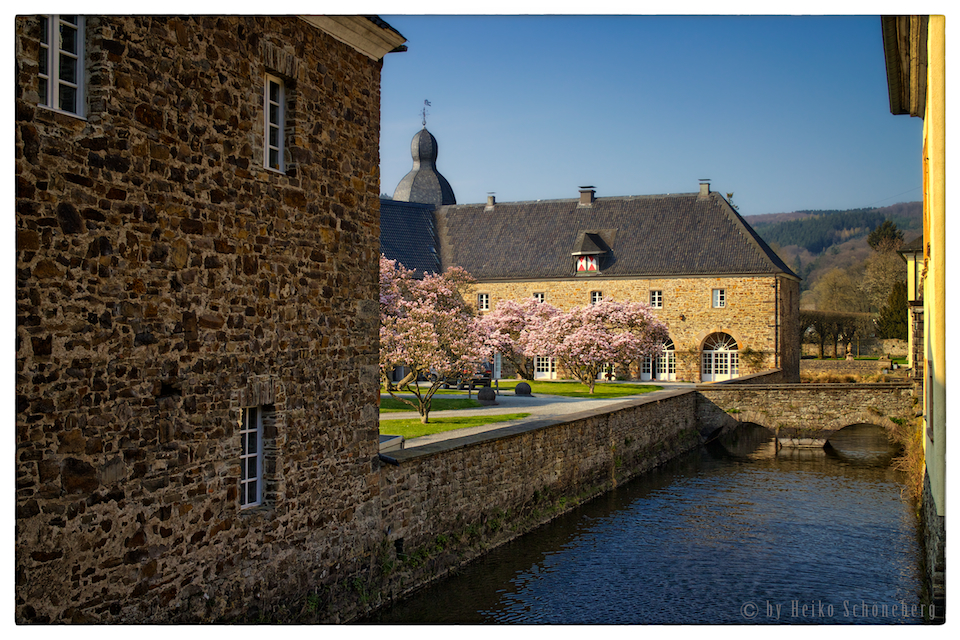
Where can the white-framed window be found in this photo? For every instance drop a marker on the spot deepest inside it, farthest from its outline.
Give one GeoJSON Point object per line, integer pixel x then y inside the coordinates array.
{"type": "Point", "coordinates": [540, 296]}
{"type": "Point", "coordinates": [720, 358]}
{"type": "Point", "coordinates": [274, 116]}
{"type": "Point", "coordinates": [719, 298]}
{"type": "Point", "coordinates": [483, 301]}
{"type": "Point", "coordinates": [656, 298]}
{"type": "Point", "coordinates": [251, 457]}
{"type": "Point", "coordinates": [663, 367]}
{"type": "Point", "coordinates": [596, 297]}
{"type": "Point", "coordinates": [544, 368]}
{"type": "Point", "coordinates": [61, 60]}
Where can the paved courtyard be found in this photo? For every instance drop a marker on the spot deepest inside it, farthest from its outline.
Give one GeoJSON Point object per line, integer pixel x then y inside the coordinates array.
{"type": "Point", "coordinates": [539, 406]}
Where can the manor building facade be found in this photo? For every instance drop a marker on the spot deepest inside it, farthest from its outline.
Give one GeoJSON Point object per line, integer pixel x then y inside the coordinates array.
{"type": "Point", "coordinates": [730, 303]}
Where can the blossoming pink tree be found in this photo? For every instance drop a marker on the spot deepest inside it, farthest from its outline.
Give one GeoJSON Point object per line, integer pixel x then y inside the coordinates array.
{"type": "Point", "coordinates": [506, 327]}
{"type": "Point", "coordinates": [427, 328]}
{"type": "Point", "coordinates": [586, 339]}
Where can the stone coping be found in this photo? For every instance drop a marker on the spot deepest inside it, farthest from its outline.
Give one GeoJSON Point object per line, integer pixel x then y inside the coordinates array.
{"type": "Point", "coordinates": [528, 425]}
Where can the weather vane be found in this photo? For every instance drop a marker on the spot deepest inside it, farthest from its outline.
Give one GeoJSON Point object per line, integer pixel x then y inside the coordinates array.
{"type": "Point", "coordinates": [426, 103]}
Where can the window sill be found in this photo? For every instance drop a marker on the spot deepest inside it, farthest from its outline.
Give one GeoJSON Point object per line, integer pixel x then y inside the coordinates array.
{"type": "Point", "coordinates": [69, 114]}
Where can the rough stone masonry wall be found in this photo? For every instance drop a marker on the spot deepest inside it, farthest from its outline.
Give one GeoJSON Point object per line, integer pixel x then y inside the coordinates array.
{"type": "Point", "coordinates": [750, 314]}
{"type": "Point", "coordinates": [164, 280]}
{"type": "Point", "coordinates": [812, 410]}
{"type": "Point", "coordinates": [448, 489]}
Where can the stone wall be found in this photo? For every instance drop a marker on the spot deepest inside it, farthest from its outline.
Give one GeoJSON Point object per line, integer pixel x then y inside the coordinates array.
{"type": "Point", "coordinates": [165, 280]}
{"type": "Point", "coordinates": [751, 314]}
{"type": "Point", "coordinates": [934, 544]}
{"type": "Point", "coordinates": [852, 367]}
{"type": "Point", "coordinates": [448, 502]}
{"type": "Point", "coordinates": [804, 410]}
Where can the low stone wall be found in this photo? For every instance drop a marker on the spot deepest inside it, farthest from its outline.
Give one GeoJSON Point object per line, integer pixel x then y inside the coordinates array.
{"type": "Point", "coordinates": [448, 502]}
{"type": "Point", "coordinates": [891, 347]}
{"type": "Point", "coordinates": [845, 367]}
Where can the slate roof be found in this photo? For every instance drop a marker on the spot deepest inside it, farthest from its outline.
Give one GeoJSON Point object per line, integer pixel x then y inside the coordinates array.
{"type": "Point", "coordinates": [662, 235]}
{"type": "Point", "coordinates": [913, 246]}
{"type": "Point", "coordinates": [407, 234]}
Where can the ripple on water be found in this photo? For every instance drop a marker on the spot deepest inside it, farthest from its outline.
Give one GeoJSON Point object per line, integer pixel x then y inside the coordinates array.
{"type": "Point", "coordinates": [696, 540]}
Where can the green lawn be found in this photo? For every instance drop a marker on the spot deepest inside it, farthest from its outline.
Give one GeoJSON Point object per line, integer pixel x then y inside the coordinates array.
{"type": "Point", "coordinates": [414, 428]}
{"type": "Point", "coordinates": [564, 388]}
{"type": "Point", "coordinates": [392, 405]}
{"type": "Point", "coordinates": [578, 390]}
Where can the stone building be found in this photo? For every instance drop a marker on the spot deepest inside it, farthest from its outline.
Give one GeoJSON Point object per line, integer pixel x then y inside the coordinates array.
{"type": "Point", "coordinates": [196, 237]}
{"type": "Point", "coordinates": [730, 303]}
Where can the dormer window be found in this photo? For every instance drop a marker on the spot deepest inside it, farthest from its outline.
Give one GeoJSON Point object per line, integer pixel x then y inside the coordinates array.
{"type": "Point", "coordinates": [588, 263]}
{"type": "Point", "coordinates": [591, 251]}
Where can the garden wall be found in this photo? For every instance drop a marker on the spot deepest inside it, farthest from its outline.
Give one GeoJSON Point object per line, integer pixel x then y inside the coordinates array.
{"type": "Point", "coordinates": [448, 502]}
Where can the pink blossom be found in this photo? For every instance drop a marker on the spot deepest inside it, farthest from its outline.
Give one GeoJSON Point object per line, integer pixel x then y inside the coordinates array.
{"type": "Point", "coordinates": [586, 339]}
{"type": "Point", "coordinates": [427, 328]}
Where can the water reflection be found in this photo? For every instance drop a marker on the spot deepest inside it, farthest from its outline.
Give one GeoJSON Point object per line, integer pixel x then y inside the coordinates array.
{"type": "Point", "coordinates": [724, 535]}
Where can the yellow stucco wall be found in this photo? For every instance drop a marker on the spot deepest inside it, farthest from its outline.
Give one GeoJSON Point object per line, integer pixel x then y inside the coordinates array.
{"type": "Point", "coordinates": [934, 286]}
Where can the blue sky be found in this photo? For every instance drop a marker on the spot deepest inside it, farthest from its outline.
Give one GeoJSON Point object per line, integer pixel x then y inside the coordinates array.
{"type": "Point", "coordinates": [786, 112]}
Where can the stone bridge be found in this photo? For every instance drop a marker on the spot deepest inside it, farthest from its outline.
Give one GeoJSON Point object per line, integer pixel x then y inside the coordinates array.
{"type": "Point", "coordinates": [803, 415]}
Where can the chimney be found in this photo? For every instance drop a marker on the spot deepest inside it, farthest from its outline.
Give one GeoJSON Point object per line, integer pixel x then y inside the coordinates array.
{"type": "Point", "coordinates": [586, 196]}
{"type": "Point", "coordinates": [491, 201]}
{"type": "Point", "coordinates": [704, 187]}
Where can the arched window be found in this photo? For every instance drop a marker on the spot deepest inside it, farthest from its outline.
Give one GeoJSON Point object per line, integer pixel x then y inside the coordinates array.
{"type": "Point", "coordinates": [720, 359]}
{"type": "Point", "coordinates": [663, 367]}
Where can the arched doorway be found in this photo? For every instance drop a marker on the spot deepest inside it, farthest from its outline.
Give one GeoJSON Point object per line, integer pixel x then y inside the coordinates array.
{"type": "Point", "coordinates": [663, 367]}
{"type": "Point", "coordinates": [720, 358]}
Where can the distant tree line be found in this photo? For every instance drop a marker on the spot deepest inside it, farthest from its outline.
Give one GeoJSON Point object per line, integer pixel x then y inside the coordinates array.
{"type": "Point", "coordinates": [862, 301]}
{"type": "Point", "coordinates": [826, 228]}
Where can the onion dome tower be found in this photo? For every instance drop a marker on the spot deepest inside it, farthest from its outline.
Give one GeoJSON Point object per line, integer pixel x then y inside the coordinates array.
{"type": "Point", "coordinates": [424, 183]}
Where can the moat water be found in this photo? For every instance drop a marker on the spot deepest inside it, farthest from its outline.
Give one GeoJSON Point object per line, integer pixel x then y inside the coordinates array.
{"type": "Point", "coordinates": [735, 533]}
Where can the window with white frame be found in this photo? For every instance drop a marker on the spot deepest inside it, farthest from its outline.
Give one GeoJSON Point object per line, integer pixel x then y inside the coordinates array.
{"type": "Point", "coordinates": [483, 301]}
{"type": "Point", "coordinates": [719, 298]}
{"type": "Point", "coordinates": [251, 457]}
{"type": "Point", "coordinates": [596, 296]}
{"type": "Point", "coordinates": [274, 109]}
{"type": "Point", "coordinates": [540, 296]}
{"type": "Point", "coordinates": [656, 299]}
{"type": "Point", "coordinates": [61, 63]}
{"type": "Point", "coordinates": [544, 367]}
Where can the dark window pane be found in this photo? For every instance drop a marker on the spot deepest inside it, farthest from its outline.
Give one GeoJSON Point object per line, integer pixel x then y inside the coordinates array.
{"type": "Point", "coordinates": [251, 468]}
{"type": "Point", "coordinates": [68, 69]}
{"type": "Point", "coordinates": [252, 442]}
{"type": "Point", "coordinates": [68, 98]}
{"type": "Point", "coordinates": [68, 38]}
{"type": "Point", "coordinates": [274, 114]}
{"type": "Point", "coordinates": [251, 493]}
{"type": "Point", "coordinates": [44, 98]}
{"type": "Point", "coordinates": [274, 92]}
{"type": "Point", "coordinates": [44, 33]}
{"type": "Point", "coordinates": [274, 159]}
{"type": "Point", "coordinates": [274, 136]}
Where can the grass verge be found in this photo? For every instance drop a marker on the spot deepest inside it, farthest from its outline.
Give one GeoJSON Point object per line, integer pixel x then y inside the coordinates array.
{"type": "Point", "coordinates": [414, 428]}
{"type": "Point", "coordinates": [578, 390]}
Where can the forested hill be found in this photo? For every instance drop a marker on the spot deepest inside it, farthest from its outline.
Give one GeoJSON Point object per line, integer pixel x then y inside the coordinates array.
{"type": "Point", "coordinates": [815, 242]}
{"type": "Point", "coordinates": [817, 231]}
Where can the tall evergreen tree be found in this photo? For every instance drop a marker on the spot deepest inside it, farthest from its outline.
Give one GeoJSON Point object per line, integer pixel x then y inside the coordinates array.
{"type": "Point", "coordinates": [892, 319]}
{"type": "Point", "coordinates": [885, 237]}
